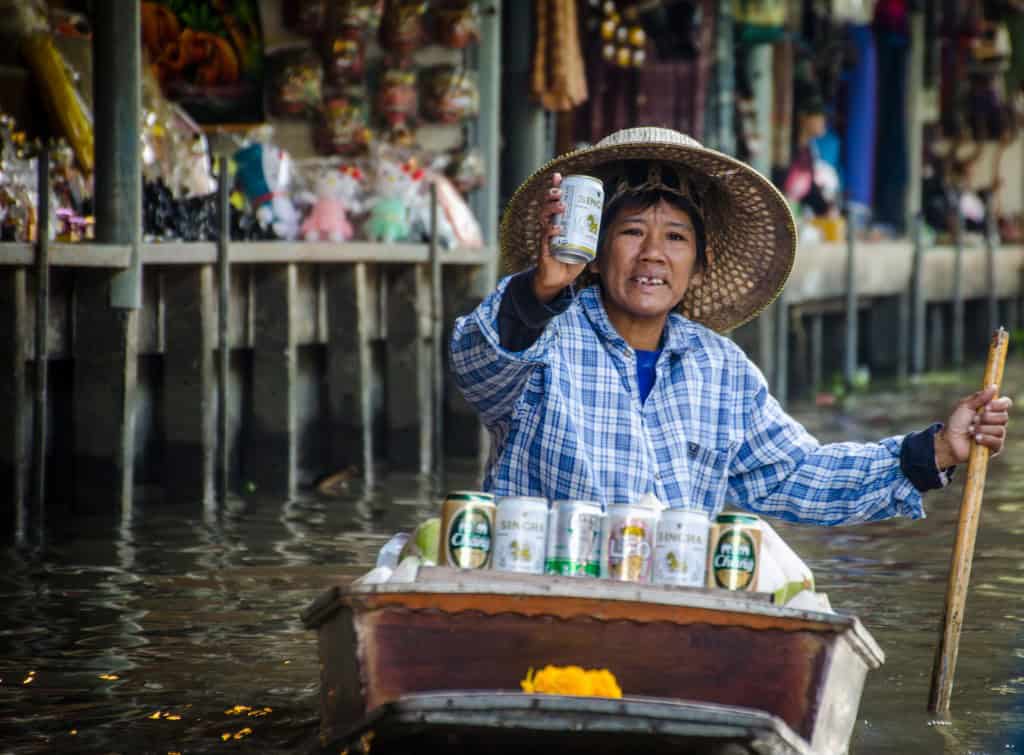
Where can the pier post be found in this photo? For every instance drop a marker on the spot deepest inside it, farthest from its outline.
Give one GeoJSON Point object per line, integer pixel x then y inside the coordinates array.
{"type": "Point", "coordinates": [272, 458]}
{"type": "Point", "coordinates": [991, 241]}
{"type": "Point", "coordinates": [350, 318]}
{"type": "Point", "coordinates": [957, 346]}
{"type": "Point", "coordinates": [409, 398]}
{"type": "Point", "coordinates": [817, 351]}
{"type": "Point", "coordinates": [781, 387]}
{"type": "Point", "coordinates": [190, 387]}
{"type": "Point", "coordinates": [13, 401]}
{"type": "Point", "coordinates": [918, 305]}
{"type": "Point", "coordinates": [850, 330]}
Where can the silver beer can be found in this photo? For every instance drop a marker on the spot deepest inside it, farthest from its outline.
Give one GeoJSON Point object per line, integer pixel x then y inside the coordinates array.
{"type": "Point", "coordinates": [574, 539]}
{"type": "Point", "coordinates": [583, 197]}
{"type": "Point", "coordinates": [681, 547]}
{"type": "Point", "coordinates": [629, 542]}
{"type": "Point", "coordinates": [520, 534]}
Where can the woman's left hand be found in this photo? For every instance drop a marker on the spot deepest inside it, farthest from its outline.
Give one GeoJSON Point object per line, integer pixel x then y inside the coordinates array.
{"type": "Point", "coordinates": [981, 418]}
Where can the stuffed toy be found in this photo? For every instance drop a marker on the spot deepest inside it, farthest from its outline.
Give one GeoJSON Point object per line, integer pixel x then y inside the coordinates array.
{"type": "Point", "coordinates": [337, 196]}
{"type": "Point", "coordinates": [264, 175]}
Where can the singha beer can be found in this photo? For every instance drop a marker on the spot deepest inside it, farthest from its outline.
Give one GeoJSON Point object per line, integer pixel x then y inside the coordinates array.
{"type": "Point", "coordinates": [583, 197]}
{"type": "Point", "coordinates": [574, 539]}
{"type": "Point", "coordinates": [520, 534]}
{"type": "Point", "coordinates": [734, 552]}
{"type": "Point", "coordinates": [629, 541]}
{"type": "Point", "coordinates": [467, 530]}
{"type": "Point", "coordinates": [681, 548]}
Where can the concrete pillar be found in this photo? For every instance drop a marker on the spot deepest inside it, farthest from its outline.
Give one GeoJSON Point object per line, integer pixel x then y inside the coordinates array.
{"type": "Point", "coordinates": [407, 382]}
{"type": "Point", "coordinates": [190, 387]}
{"type": "Point", "coordinates": [272, 458]}
{"type": "Point", "coordinates": [106, 351]}
{"type": "Point", "coordinates": [350, 315]}
{"type": "Point", "coordinates": [13, 401]}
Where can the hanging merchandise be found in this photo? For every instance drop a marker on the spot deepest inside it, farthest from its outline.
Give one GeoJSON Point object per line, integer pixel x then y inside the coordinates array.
{"type": "Point", "coordinates": [345, 54]}
{"type": "Point", "coordinates": [623, 39]}
{"type": "Point", "coordinates": [467, 170]}
{"type": "Point", "coordinates": [55, 80]}
{"type": "Point", "coordinates": [398, 198]}
{"type": "Point", "coordinates": [401, 29]}
{"type": "Point", "coordinates": [296, 83]}
{"type": "Point", "coordinates": [338, 197]}
{"type": "Point", "coordinates": [861, 121]}
{"type": "Point", "coordinates": [306, 17]}
{"type": "Point", "coordinates": [457, 23]}
{"type": "Point", "coordinates": [397, 98]}
{"type": "Point", "coordinates": [457, 226]}
{"type": "Point", "coordinates": [759, 21]}
{"type": "Point", "coordinates": [450, 94]}
{"type": "Point", "coordinates": [557, 79]}
{"type": "Point", "coordinates": [364, 14]}
{"type": "Point", "coordinates": [208, 57]}
{"type": "Point", "coordinates": [343, 128]}
{"type": "Point", "coordinates": [264, 175]}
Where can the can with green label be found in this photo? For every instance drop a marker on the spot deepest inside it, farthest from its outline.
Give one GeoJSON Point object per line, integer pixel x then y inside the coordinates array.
{"type": "Point", "coordinates": [467, 530]}
{"type": "Point", "coordinates": [734, 552]}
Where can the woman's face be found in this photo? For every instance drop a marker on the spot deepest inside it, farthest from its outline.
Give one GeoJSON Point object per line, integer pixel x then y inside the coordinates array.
{"type": "Point", "coordinates": [648, 261]}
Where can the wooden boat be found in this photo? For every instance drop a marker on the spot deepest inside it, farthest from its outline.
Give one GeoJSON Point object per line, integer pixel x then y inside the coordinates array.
{"type": "Point", "coordinates": [440, 659]}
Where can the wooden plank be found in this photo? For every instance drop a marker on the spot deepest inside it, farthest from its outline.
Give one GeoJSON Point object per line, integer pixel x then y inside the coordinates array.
{"type": "Point", "coordinates": [106, 376]}
{"type": "Point", "coordinates": [271, 459]}
{"type": "Point", "coordinates": [190, 407]}
{"type": "Point", "coordinates": [14, 327]}
{"type": "Point", "coordinates": [115, 256]}
{"type": "Point", "coordinates": [407, 381]}
{"type": "Point", "coordinates": [350, 375]}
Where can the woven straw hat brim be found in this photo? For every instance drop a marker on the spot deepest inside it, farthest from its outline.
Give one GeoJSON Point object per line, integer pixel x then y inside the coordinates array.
{"type": "Point", "coordinates": [751, 235]}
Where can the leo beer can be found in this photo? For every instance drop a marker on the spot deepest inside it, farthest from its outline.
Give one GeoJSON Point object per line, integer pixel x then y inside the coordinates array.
{"type": "Point", "coordinates": [467, 529]}
{"type": "Point", "coordinates": [681, 548]}
{"type": "Point", "coordinates": [520, 534]}
{"type": "Point", "coordinates": [629, 539]}
{"type": "Point", "coordinates": [734, 552]}
{"type": "Point", "coordinates": [574, 539]}
{"type": "Point", "coordinates": [583, 197]}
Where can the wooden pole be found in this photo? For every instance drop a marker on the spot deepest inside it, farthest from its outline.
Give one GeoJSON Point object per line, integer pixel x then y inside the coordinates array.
{"type": "Point", "coordinates": [436, 347]}
{"type": "Point", "coordinates": [42, 331]}
{"type": "Point", "coordinates": [223, 443]}
{"type": "Point", "coordinates": [963, 548]}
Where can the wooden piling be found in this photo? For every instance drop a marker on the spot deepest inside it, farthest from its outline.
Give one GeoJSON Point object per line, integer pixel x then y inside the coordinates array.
{"type": "Point", "coordinates": [957, 345]}
{"type": "Point", "coordinates": [408, 391]}
{"type": "Point", "coordinates": [13, 404]}
{"type": "Point", "coordinates": [817, 352]}
{"type": "Point", "coordinates": [272, 458]}
{"type": "Point", "coordinates": [190, 386]}
{"type": "Point", "coordinates": [351, 316]}
{"type": "Point", "coordinates": [919, 308]}
{"type": "Point", "coordinates": [436, 352]}
{"type": "Point", "coordinates": [42, 342]}
{"type": "Point", "coordinates": [991, 243]}
{"type": "Point", "coordinates": [850, 329]}
{"type": "Point", "coordinates": [781, 387]}
{"type": "Point", "coordinates": [223, 343]}
{"type": "Point", "coordinates": [106, 351]}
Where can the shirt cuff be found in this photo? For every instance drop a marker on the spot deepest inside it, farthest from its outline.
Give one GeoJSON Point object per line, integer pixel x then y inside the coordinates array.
{"type": "Point", "coordinates": [522, 317]}
{"type": "Point", "coordinates": [917, 460]}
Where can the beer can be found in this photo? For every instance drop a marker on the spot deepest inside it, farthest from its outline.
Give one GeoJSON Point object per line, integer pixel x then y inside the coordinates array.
{"type": "Point", "coordinates": [681, 547]}
{"type": "Point", "coordinates": [520, 534]}
{"type": "Point", "coordinates": [583, 197]}
{"type": "Point", "coordinates": [734, 552]}
{"type": "Point", "coordinates": [574, 539]}
{"type": "Point", "coordinates": [467, 529]}
{"type": "Point", "coordinates": [629, 535]}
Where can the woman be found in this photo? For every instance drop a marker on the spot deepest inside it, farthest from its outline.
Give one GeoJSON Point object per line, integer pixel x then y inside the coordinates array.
{"type": "Point", "coordinates": [624, 387]}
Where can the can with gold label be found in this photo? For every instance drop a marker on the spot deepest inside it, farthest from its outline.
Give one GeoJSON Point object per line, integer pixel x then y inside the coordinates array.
{"type": "Point", "coordinates": [467, 529]}
{"type": "Point", "coordinates": [734, 552]}
{"type": "Point", "coordinates": [629, 542]}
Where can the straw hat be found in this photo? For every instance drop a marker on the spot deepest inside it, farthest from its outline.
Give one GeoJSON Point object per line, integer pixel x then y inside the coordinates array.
{"type": "Point", "coordinates": [750, 232]}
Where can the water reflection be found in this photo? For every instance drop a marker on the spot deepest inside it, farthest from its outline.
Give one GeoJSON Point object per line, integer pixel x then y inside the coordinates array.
{"type": "Point", "coordinates": [143, 632]}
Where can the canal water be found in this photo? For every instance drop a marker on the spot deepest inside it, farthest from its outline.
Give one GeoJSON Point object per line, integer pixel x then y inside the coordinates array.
{"type": "Point", "coordinates": [174, 628]}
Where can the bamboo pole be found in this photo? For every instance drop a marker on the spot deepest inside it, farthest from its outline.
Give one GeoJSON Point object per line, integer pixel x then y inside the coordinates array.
{"type": "Point", "coordinates": [963, 548]}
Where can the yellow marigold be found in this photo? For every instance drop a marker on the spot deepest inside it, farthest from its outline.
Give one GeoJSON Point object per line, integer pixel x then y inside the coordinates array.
{"type": "Point", "coordinates": [571, 680]}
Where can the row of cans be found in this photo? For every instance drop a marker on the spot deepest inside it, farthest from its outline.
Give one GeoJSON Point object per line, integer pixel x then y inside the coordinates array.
{"type": "Point", "coordinates": [580, 538]}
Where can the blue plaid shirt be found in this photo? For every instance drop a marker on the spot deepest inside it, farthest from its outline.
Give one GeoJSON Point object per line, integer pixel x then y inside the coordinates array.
{"type": "Point", "coordinates": [566, 421]}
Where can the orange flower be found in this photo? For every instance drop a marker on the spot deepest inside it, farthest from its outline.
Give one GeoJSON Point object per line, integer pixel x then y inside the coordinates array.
{"type": "Point", "coordinates": [572, 680]}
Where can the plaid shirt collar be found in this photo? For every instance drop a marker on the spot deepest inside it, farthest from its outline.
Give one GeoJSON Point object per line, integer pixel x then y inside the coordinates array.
{"type": "Point", "coordinates": [678, 337]}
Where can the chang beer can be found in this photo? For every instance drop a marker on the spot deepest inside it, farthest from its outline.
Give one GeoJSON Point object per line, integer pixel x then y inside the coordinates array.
{"type": "Point", "coordinates": [681, 548]}
{"type": "Point", "coordinates": [467, 530]}
{"type": "Point", "coordinates": [520, 534]}
{"type": "Point", "coordinates": [629, 542]}
{"type": "Point", "coordinates": [574, 539]}
{"type": "Point", "coordinates": [734, 552]}
{"type": "Point", "coordinates": [583, 197]}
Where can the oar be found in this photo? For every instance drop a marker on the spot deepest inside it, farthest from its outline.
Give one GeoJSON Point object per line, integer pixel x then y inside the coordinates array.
{"type": "Point", "coordinates": [963, 548]}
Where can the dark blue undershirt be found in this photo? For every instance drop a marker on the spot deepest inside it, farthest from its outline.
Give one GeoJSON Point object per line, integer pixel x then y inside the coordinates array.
{"type": "Point", "coordinates": [522, 318]}
{"type": "Point", "coordinates": [645, 361]}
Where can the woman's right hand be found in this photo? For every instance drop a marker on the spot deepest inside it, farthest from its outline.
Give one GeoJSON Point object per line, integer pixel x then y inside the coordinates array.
{"type": "Point", "coordinates": [552, 275]}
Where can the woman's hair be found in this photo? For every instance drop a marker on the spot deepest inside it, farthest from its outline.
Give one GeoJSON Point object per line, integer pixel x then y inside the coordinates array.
{"type": "Point", "coordinates": [644, 200]}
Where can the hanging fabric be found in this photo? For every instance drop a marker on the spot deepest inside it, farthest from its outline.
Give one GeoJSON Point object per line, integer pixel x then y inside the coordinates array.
{"type": "Point", "coordinates": [558, 80]}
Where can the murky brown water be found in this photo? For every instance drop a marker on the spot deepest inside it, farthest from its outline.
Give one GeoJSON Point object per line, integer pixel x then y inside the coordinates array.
{"type": "Point", "coordinates": [141, 635]}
